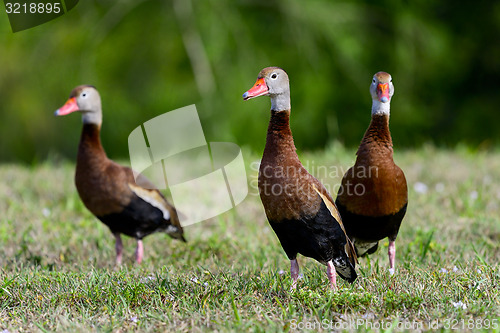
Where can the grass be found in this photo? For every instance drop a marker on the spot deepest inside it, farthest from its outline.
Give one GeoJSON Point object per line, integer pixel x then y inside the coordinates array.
{"type": "Point", "coordinates": [57, 271]}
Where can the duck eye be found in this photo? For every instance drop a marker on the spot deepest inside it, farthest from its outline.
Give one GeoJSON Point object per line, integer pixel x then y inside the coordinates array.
{"type": "Point", "coordinates": [84, 94]}
{"type": "Point", "coordinates": [374, 81]}
{"type": "Point", "coordinates": [274, 76]}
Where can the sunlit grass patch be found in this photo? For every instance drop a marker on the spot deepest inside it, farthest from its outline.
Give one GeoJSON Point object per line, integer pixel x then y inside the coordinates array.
{"type": "Point", "coordinates": [57, 260]}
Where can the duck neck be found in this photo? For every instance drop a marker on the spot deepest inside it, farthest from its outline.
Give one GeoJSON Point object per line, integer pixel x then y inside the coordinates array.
{"type": "Point", "coordinates": [377, 139]}
{"type": "Point", "coordinates": [279, 141]}
{"type": "Point", "coordinates": [380, 109]}
{"type": "Point", "coordinates": [90, 149]}
{"type": "Point", "coordinates": [92, 117]}
{"type": "Point", "coordinates": [281, 102]}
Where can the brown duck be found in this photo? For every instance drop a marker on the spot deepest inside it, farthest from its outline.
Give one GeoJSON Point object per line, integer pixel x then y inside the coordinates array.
{"type": "Point", "coordinates": [373, 197]}
{"type": "Point", "coordinates": [298, 207]}
{"type": "Point", "coordinates": [108, 189]}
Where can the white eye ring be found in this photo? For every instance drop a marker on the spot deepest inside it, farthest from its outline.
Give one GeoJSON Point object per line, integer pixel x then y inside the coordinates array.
{"type": "Point", "coordinates": [274, 76]}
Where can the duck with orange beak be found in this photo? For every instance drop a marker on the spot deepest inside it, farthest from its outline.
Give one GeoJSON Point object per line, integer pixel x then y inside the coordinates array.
{"type": "Point", "coordinates": [298, 207]}
{"type": "Point", "coordinates": [373, 197]}
{"type": "Point", "coordinates": [109, 190]}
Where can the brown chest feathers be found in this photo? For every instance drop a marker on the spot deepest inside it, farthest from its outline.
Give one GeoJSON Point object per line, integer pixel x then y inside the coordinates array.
{"type": "Point", "coordinates": [285, 186]}
{"type": "Point", "coordinates": [375, 185]}
{"type": "Point", "coordinates": [101, 183]}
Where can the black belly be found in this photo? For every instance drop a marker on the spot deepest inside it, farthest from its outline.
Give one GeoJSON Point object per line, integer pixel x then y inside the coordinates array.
{"type": "Point", "coordinates": [371, 229]}
{"type": "Point", "coordinates": [137, 220]}
{"type": "Point", "coordinates": [319, 237]}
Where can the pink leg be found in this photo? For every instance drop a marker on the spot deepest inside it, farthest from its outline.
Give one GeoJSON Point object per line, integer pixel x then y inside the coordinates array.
{"type": "Point", "coordinates": [118, 248]}
{"type": "Point", "coordinates": [392, 255]}
{"type": "Point", "coordinates": [332, 274]}
{"type": "Point", "coordinates": [139, 251]}
{"type": "Point", "coordinates": [294, 271]}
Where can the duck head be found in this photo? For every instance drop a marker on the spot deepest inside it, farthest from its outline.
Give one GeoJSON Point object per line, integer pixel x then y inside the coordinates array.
{"type": "Point", "coordinates": [381, 90]}
{"type": "Point", "coordinates": [272, 82]}
{"type": "Point", "coordinates": [85, 99]}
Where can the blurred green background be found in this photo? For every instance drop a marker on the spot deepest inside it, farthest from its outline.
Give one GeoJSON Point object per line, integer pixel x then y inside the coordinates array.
{"type": "Point", "coordinates": [147, 57]}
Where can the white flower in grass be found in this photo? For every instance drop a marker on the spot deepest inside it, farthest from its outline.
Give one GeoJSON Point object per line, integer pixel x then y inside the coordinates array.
{"type": "Point", "coordinates": [147, 279]}
{"type": "Point", "coordinates": [134, 319]}
{"type": "Point", "coordinates": [301, 276]}
{"type": "Point", "coordinates": [443, 270]}
{"type": "Point", "coordinates": [420, 187]}
{"type": "Point", "coordinates": [368, 316]}
{"type": "Point", "coordinates": [5, 331]}
{"type": "Point", "coordinates": [459, 305]}
{"type": "Point", "coordinates": [473, 195]}
{"type": "Point", "coordinates": [455, 269]}
{"type": "Point", "coordinates": [46, 213]}
{"type": "Point", "coordinates": [487, 180]}
{"type": "Point", "coordinates": [195, 280]}
{"type": "Point", "coordinates": [439, 187]}
{"type": "Point", "coordinates": [205, 284]}
{"type": "Point", "coordinates": [281, 272]}
{"type": "Point", "coordinates": [391, 271]}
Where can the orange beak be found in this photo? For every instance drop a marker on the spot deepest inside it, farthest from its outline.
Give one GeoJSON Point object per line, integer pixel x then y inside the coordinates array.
{"type": "Point", "coordinates": [67, 108]}
{"type": "Point", "coordinates": [258, 89]}
{"type": "Point", "coordinates": [383, 92]}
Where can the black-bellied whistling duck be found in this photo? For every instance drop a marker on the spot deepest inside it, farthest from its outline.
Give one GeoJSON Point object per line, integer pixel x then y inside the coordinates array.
{"type": "Point", "coordinates": [108, 189]}
{"type": "Point", "coordinates": [298, 207]}
{"type": "Point", "coordinates": [373, 196]}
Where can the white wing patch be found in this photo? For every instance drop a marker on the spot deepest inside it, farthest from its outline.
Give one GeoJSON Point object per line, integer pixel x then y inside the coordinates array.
{"type": "Point", "coordinates": [363, 247]}
{"type": "Point", "coordinates": [152, 197]}
{"type": "Point", "coordinates": [333, 210]}
{"type": "Point", "coordinates": [349, 248]}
